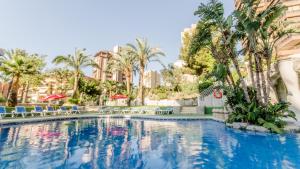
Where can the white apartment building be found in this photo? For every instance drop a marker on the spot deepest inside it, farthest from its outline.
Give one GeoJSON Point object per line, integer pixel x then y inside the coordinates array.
{"type": "Point", "coordinates": [152, 79]}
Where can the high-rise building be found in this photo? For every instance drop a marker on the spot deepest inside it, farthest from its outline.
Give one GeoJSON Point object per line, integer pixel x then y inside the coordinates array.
{"type": "Point", "coordinates": [288, 53]}
{"type": "Point", "coordinates": [151, 79]}
{"type": "Point", "coordinates": [102, 73]}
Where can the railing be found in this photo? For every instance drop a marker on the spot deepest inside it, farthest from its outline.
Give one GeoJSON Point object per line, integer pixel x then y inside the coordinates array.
{"type": "Point", "coordinates": [207, 91]}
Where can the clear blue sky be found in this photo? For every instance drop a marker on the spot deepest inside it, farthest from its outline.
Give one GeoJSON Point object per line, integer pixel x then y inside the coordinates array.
{"type": "Point", "coordinates": [55, 27]}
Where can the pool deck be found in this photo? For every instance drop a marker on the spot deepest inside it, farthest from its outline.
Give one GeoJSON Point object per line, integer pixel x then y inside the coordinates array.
{"type": "Point", "coordinates": [292, 127]}
{"type": "Point", "coordinates": [19, 120]}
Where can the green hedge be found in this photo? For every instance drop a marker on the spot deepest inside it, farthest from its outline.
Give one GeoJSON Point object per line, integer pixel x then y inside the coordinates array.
{"type": "Point", "coordinates": [208, 110]}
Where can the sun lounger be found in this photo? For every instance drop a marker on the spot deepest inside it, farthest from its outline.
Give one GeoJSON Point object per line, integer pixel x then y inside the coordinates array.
{"type": "Point", "coordinates": [104, 110]}
{"type": "Point", "coordinates": [2, 111]}
{"type": "Point", "coordinates": [75, 109]}
{"type": "Point", "coordinates": [116, 110]}
{"type": "Point", "coordinates": [38, 110]}
{"type": "Point", "coordinates": [20, 110]}
{"type": "Point", "coordinates": [51, 110]}
{"type": "Point", "coordinates": [135, 110]}
{"type": "Point", "coordinates": [163, 111]}
{"type": "Point", "coordinates": [148, 110]}
{"type": "Point", "coordinates": [63, 109]}
{"type": "Point", "coordinates": [126, 110]}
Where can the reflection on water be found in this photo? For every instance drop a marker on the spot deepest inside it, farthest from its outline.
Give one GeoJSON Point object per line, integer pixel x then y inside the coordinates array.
{"type": "Point", "coordinates": [119, 143]}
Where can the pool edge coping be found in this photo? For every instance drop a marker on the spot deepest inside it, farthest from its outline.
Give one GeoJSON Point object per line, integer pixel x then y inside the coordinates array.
{"type": "Point", "coordinates": [20, 121]}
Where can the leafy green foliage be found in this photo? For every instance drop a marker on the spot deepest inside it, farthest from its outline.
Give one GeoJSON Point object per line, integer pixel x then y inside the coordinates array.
{"type": "Point", "coordinates": [201, 62]}
{"type": "Point", "coordinates": [90, 89]}
{"type": "Point", "coordinates": [2, 99]}
{"type": "Point", "coordinates": [205, 84]}
{"type": "Point", "coordinates": [77, 62]}
{"type": "Point", "coordinates": [74, 101]}
{"type": "Point", "coordinates": [269, 116]}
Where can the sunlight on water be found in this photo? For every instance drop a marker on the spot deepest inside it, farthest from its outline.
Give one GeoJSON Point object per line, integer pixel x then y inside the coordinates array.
{"type": "Point", "coordinates": [123, 143]}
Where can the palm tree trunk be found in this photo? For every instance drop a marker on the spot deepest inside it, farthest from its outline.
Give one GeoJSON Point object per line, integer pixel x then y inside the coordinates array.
{"type": "Point", "coordinates": [230, 75]}
{"type": "Point", "coordinates": [13, 96]}
{"type": "Point", "coordinates": [269, 81]}
{"type": "Point", "coordinates": [141, 85]}
{"type": "Point", "coordinates": [244, 86]}
{"type": "Point", "coordinates": [128, 87]}
{"type": "Point", "coordinates": [251, 70]}
{"type": "Point", "coordinates": [9, 88]}
{"type": "Point", "coordinates": [2, 89]}
{"type": "Point", "coordinates": [263, 82]}
{"type": "Point", "coordinates": [22, 93]}
{"type": "Point", "coordinates": [258, 85]}
{"type": "Point", "coordinates": [25, 92]}
{"type": "Point", "coordinates": [75, 87]}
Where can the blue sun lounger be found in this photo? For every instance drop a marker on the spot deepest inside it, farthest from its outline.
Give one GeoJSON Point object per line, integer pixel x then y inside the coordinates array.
{"type": "Point", "coordinates": [75, 109]}
{"type": "Point", "coordinates": [20, 110]}
{"type": "Point", "coordinates": [63, 109]}
{"type": "Point", "coordinates": [2, 111]}
{"type": "Point", "coordinates": [51, 110]}
{"type": "Point", "coordinates": [38, 110]}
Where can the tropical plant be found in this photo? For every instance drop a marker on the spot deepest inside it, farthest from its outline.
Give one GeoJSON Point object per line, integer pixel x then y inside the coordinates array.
{"type": "Point", "coordinates": [202, 62]}
{"type": "Point", "coordinates": [29, 82]}
{"type": "Point", "coordinates": [269, 116]}
{"type": "Point", "coordinates": [172, 78]}
{"type": "Point", "coordinates": [90, 89]}
{"type": "Point", "coordinates": [260, 31]}
{"type": "Point", "coordinates": [62, 76]}
{"type": "Point", "coordinates": [76, 62]}
{"type": "Point", "coordinates": [145, 54]}
{"type": "Point", "coordinates": [20, 64]}
{"type": "Point", "coordinates": [215, 32]}
{"type": "Point", "coordinates": [125, 62]}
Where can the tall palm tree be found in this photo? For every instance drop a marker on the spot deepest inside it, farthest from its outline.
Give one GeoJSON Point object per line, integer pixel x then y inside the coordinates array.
{"type": "Point", "coordinates": [126, 62]}
{"type": "Point", "coordinates": [145, 54]}
{"type": "Point", "coordinates": [19, 65]}
{"type": "Point", "coordinates": [76, 62]}
{"type": "Point", "coordinates": [216, 25]}
{"type": "Point", "coordinates": [260, 31]}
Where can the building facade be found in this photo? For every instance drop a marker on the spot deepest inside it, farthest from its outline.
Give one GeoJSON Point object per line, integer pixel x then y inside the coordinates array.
{"type": "Point", "coordinates": [152, 79]}
{"type": "Point", "coordinates": [47, 87]}
{"type": "Point", "coordinates": [286, 73]}
{"type": "Point", "coordinates": [102, 73]}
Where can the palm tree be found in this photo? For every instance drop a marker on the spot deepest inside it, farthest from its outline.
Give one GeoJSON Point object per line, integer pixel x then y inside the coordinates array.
{"type": "Point", "coordinates": [19, 64]}
{"type": "Point", "coordinates": [126, 62]}
{"type": "Point", "coordinates": [61, 76]}
{"type": "Point", "coordinates": [259, 32]}
{"type": "Point", "coordinates": [76, 62]}
{"type": "Point", "coordinates": [217, 33]}
{"type": "Point", "coordinates": [145, 54]}
{"type": "Point", "coordinates": [28, 82]}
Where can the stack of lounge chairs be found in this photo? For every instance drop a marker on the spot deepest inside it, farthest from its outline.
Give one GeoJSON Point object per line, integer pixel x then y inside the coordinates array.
{"type": "Point", "coordinates": [136, 110]}
{"type": "Point", "coordinates": [38, 110]}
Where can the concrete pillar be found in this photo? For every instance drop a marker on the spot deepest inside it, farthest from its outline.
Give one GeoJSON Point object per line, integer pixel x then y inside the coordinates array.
{"type": "Point", "coordinates": [291, 80]}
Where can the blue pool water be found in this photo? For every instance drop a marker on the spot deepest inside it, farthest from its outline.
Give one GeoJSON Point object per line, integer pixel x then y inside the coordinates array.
{"type": "Point", "coordinates": [120, 143]}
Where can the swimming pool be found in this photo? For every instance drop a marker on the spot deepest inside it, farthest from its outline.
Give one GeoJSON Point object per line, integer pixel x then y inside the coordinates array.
{"type": "Point", "coordinates": [121, 143]}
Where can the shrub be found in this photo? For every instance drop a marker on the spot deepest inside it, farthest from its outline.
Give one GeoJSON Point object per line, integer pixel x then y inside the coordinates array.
{"type": "Point", "coordinates": [73, 101]}
{"type": "Point", "coordinates": [2, 100]}
{"type": "Point", "coordinates": [269, 116]}
{"type": "Point", "coordinates": [204, 85]}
